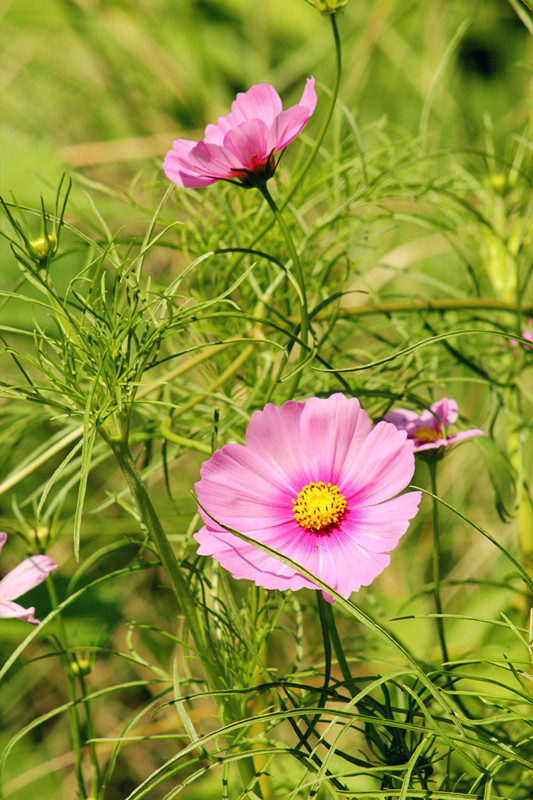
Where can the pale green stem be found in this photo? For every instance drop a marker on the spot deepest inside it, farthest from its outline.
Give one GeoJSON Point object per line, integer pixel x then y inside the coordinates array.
{"type": "Point", "coordinates": [327, 119]}
{"type": "Point", "coordinates": [176, 575]}
{"type": "Point", "coordinates": [432, 466]}
{"type": "Point", "coordinates": [295, 258]}
{"type": "Point", "coordinates": [300, 280]}
{"type": "Point", "coordinates": [75, 725]}
{"type": "Point", "coordinates": [414, 306]}
{"type": "Point", "coordinates": [95, 771]}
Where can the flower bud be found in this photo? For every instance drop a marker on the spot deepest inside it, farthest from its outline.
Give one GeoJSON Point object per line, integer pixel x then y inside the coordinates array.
{"type": "Point", "coordinates": [40, 535]}
{"type": "Point", "coordinates": [43, 248]}
{"type": "Point", "coordinates": [328, 7]}
{"type": "Point", "coordinates": [81, 666]}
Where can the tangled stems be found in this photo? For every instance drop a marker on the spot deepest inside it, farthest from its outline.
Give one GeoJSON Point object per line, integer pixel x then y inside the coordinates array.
{"type": "Point", "coordinates": [119, 446]}
{"type": "Point", "coordinates": [432, 466]}
{"type": "Point", "coordinates": [75, 724]}
{"type": "Point", "coordinates": [260, 184]}
{"type": "Point", "coordinates": [327, 119]}
{"type": "Point", "coordinates": [117, 440]}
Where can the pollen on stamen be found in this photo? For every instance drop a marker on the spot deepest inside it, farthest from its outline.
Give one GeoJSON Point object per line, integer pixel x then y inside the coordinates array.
{"type": "Point", "coordinates": [319, 506]}
{"type": "Point", "coordinates": [426, 434]}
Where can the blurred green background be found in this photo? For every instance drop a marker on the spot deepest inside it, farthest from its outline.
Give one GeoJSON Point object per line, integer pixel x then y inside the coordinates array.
{"type": "Point", "coordinates": [104, 86]}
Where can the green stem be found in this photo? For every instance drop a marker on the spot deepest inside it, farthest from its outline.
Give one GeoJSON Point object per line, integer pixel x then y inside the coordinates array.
{"type": "Point", "coordinates": [412, 305]}
{"type": "Point", "coordinates": [326, 613]}
{"type": "Point", "coordinates": [75, 725]}
{"type": "Point", "coordinates": [299, 276]}
{"type": "Point", "coordinates": [432, 466]}
{"type": "Point", "coordinates": [318, 141]}
{"type": "Point", "coordinates": [95, 772]}
{"type": "Point", "coordinates": [176, 574]}
{"type": "Point", "coordinates": [327, 119]}
{"type": "Point", "coordinates": [295, 258]}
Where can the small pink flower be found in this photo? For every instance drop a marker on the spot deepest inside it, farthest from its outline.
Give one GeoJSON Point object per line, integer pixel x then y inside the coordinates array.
{"type": "Point", "coordinates": [428, 430]}
{"type": "Point", "coordinates": [243, 141]}
{"type": "Point", "coordinates": [20, 580]}
{"type": "Point", "coordinates": [316, 483]}
{"type": "Point", "coordinates": [527, 334]}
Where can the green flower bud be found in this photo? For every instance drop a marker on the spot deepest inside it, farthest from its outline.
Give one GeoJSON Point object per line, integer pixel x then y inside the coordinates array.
{"type": "Point", "coordinates": [327, 7]}
{"type": "Point", "coordinates": [42, 248]}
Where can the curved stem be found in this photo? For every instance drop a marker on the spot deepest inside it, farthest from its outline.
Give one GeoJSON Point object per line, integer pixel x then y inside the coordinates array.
{"type": "Point", "coordinates": [327, 119]}
{"type": "Point", "coordinates": [413, 305]}
{"type": "Point", "coordinates": [298, 274]}
{"type": "Point", "coordinates": [75, 725]}
{"type": "Point", "coordinates": [319, 139]}
{"type": "Point", "coordinates": [176, 574]}
{"type": "Point", "coordinates": [329, 620]}
{"type": "Point", "coordinates": [295, 258]}
{"type": "Point", "coordinates": [432, 466]}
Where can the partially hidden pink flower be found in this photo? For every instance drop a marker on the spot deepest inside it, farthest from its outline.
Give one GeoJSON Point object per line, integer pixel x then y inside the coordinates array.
{"type": "Point", "coordinates": [527, 334]}
{"type": "Point", "coordinates": [428, 430]}
{"type": "Point", "coordinates": [21, 579]}
{"type": "Point", "coordinates": [243, 141]}
{"type": "Point", "coordinates": [315, 482]}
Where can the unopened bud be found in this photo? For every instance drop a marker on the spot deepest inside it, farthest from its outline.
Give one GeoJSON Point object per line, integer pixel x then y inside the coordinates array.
{"type": "Point", "coordinates": [40, 535]}
{"type": "Point", "coordinates": [42, 248]}
{"type": "Point", "coordinates": [328, 6]}
{"type": "Point", "coordinates": [80, 666]}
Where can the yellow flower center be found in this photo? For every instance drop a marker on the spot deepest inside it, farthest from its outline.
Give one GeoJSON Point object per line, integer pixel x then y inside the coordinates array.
{"type": "Point", "coordinates": [318, 506]}
{"type": "Point", "coordinates": [424, 434]}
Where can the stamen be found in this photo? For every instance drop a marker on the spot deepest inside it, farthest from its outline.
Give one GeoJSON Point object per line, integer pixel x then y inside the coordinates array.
{"type": "Point", "coordinates": [426, 434]}
{"type": "Point", "coordinates": [319, 506]}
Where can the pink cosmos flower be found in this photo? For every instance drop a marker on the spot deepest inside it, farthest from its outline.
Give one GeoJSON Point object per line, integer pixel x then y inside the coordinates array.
{"type": "Point", "coordinates": [316, 483]}
{"type": "Point", "coordinates": [243, 141]}
{"type": "Point", "coordinates": [428, 430]}
{"type": "Point", "coordinates": [527, 334]}
{"type": "Point", "coordinates": [20, 580]}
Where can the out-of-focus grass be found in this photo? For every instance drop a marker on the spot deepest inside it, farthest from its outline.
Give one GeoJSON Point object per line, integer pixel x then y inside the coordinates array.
{"type": "Point", "coordinates": [78, 75]}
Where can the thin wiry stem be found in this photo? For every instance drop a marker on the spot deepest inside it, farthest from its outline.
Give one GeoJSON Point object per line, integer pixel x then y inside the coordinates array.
{"type": "Point", "coordinates": [432, 466]}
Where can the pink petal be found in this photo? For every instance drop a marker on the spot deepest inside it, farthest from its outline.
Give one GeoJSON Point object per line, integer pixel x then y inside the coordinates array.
{"type": "Point", "coordinates": [179, 169]}
{"type": "Point", "coordinates": [332, 433]}
{"type": "Point", "coordinates": [383, 467]}
{"type": "Point", "coordinates": [242, 490]}
{"type": "Point", "coordinates": [286, 127]}
{"type": "Point", "coordinates": [25, 576]}
{"type": "Point", "coordinates": [308, 98]}
{"type": "Point", "coordinates": [446, 410]}
{"type": "Point", "coordinates": [274, 434]}
{"type": "Point", "coordinates": [430, 445]}
{"type": "Point", "coordinates": [378, 528]}
{"type": "Point", "coordinates": [213, 161]}
{"type": "Point", "coordinates": [459, 437]}
{"type": "Point", "coordinates": [259, 102]}
{"type": "Point", "coordinates": [346, 566]}
{"type": "Point", "coordinates": [402, 418]}
{"type": "Point", "coordinates": [288, 124]}
{"type": "Point", "coordinates": [248, 143]}
{"type": "Point", "coordinates": [245, 561]}
{"type": "Point", "coordinates": [3, 540]}
{"type": "Point", "coordinates": [11, 610]}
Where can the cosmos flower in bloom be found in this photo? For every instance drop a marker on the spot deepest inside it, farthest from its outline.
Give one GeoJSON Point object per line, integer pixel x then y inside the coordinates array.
{"type": "Point", "coordinates": [428, 430]}
{"type": "Point", "coordinates": [20, 580]}
{"type": "Point", "coordinates": [527, 334]}
{"type": "Point", "coordinates": [243, 141]}
{"type": "Point", "coordinates": [315, 482]}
